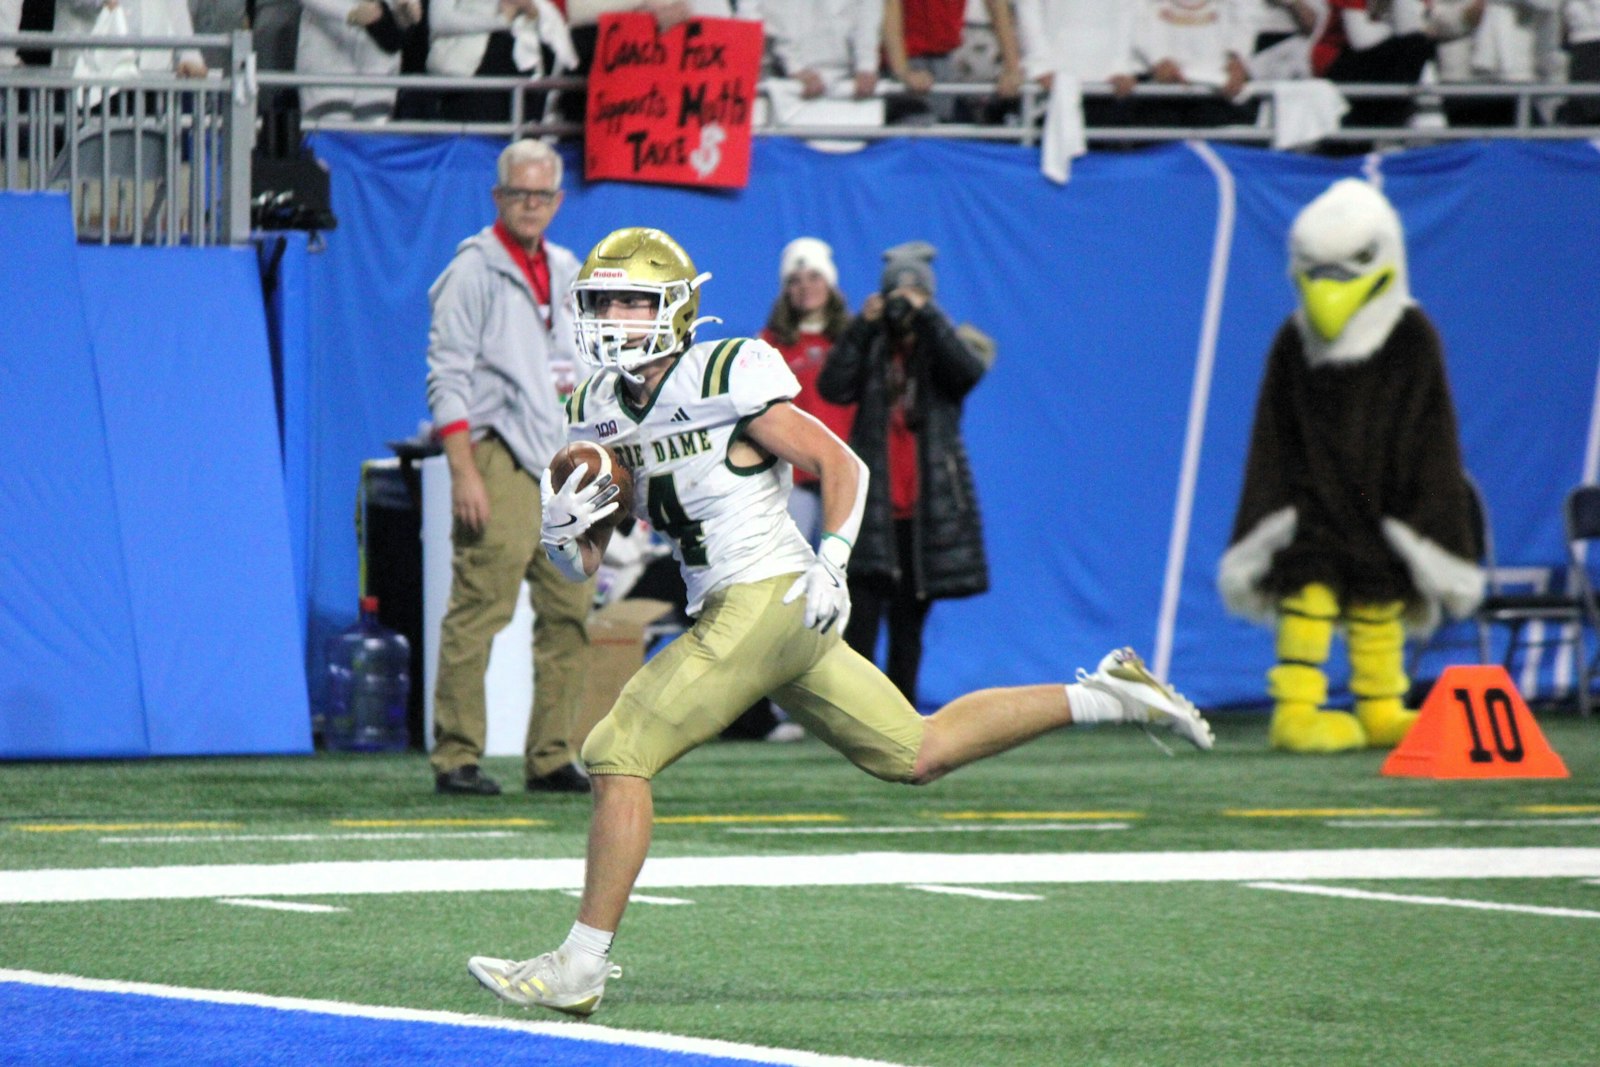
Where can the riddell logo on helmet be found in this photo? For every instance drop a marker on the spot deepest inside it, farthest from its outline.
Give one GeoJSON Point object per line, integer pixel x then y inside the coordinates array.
{"type": "Point", "coordinates": [609, 274]}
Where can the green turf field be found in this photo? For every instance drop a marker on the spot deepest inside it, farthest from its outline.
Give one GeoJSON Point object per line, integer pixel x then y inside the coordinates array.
{"type": "Point", "coordinates": [1089, 966]}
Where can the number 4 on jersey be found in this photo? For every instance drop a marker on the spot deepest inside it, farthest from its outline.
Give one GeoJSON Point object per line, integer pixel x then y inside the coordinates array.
{"type": "Point", "coordinates": [668, 516]}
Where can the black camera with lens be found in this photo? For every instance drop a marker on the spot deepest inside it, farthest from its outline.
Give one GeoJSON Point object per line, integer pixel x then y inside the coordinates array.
{"type": "Point", "coordinates": [897, 312]}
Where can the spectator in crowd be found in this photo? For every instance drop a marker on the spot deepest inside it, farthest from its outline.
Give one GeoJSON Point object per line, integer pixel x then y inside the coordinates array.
{"type": "Point", "coordinates": [145, 18]}
{"type": "Point", "coordinates": [1582, 18]}
{"type": "Point", "coordinates": [217, 16]}
{"type": "Point", "coordinates": [495, 38]}
{"type": "Point", "coordinates": [1505, 41]}
{"type": "Point", "coordinates": [827, 46]}
{"type": "Point", "coordinates": [909, 370]}
{"type": "Point", "coordinates": [275, 33]}
{"type": "Point", "coordinates": [1383, 42]}
{"type": "Point", "coordinates": [1087, 41]}
{"type": "Point", "coordinates": [502, 357]}
{"type": "Point", "coordinates": [336, 38]}
{"type": "Point", "coordinates": [921, 42]}
{"type": "Point", "coordinates": [10, 22]}
{"type": "Point", "coordinates": [1283, 30]}
{"type": "Point", "coordinates": [1275, 21]}
{"type": "Point", "coordinates": [1194, 42]}
{"type": "Point", "coordinates": [806, 320]}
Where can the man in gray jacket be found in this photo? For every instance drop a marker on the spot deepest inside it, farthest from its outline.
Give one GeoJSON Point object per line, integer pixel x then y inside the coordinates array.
{"type": "Point", "coordinates": [501, 360]}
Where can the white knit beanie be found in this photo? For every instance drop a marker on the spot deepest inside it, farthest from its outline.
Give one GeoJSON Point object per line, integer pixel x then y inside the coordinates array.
{"type": "Point", "coordinates": [808, 253]}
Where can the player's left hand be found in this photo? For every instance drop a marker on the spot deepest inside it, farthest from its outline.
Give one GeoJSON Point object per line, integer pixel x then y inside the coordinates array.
{"type": "Point", "coordinates": [826, 592]}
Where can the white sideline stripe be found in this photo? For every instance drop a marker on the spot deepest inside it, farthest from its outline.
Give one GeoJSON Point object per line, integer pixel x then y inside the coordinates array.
{"type": "Point", "coordinates": [1390, 824]}
{"type": "Point", "coordinates": [1194, 434]}
{"type": "Point", "coordinates": [1439, 902]}
{"type": "Point", "coordinates": [186, 838]}
{"type": "Point", "coordinates": [968, 891]}
{"type": "Point", "coordinates": [277, 905]}
{"type": "Point", "coordinates": [985, 829]}
{"type": "Point", "coordinates": [349, 878]}
{"type": "Point", "coordinates": [570, 1030]}
{"type": "Point", "coordinates": [637, 898]}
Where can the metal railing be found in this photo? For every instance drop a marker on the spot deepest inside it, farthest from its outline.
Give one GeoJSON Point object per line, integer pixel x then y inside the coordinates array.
{"type": "Point", "coordinates": [159, 159]}
{"type": "Point", "coordinates": [1023, 127]}
{"type": "Point", "coordinates": [148, 159]}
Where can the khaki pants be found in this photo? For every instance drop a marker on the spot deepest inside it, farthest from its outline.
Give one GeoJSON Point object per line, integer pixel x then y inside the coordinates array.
{"type": "Point", "coordinates": [487, 570]}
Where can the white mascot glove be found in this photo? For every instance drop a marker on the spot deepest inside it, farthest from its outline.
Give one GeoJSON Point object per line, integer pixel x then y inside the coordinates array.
{"type": "Point", "coordinates": [568, 513]}
{"type": "Point", "coordinates": [823, 585]}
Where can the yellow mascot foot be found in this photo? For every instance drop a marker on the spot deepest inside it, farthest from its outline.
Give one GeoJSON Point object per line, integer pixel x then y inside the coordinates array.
{"type": "Point", "coordinates": [1302, 728]}
{"type": "Point", "coordinates": [1386, 721]}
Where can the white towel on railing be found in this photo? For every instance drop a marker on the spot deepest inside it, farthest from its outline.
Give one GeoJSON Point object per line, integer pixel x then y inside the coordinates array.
{"type": "Point", "coordinates": [1064, 138]}
{"type": "Point", "coordinates": [1305, 111]}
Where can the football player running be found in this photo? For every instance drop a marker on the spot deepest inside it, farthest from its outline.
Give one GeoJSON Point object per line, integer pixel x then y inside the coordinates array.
{"type": "Point", "coordinates": [710, 434]}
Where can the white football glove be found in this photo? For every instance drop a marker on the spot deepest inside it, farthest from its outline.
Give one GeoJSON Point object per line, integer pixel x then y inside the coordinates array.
{"type": "Point", "coordinates": [569, 512]}
{"type": "Point", "coordinates": [824, 587]}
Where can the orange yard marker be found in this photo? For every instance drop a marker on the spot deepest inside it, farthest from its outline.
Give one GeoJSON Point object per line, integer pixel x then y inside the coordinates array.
{"type": "Point", "coordinates": [1475, 724]}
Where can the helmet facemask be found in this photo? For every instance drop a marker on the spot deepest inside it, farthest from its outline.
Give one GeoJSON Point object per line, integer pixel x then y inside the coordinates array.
{"type": "Point", "coordinates": [624, 345]}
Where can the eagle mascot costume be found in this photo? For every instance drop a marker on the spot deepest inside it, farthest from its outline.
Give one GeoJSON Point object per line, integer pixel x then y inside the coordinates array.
{"type": "Point", "coordinates": [1355, 510]}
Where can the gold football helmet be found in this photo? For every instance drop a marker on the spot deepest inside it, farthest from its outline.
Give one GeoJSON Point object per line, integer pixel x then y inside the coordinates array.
{"type": "Point", "coordinates": [636, 260]}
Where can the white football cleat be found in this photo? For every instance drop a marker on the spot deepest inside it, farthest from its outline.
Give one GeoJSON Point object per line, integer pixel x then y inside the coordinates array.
{"type": "Point", "coordinates": [1147, 700]}
{"type": "Point", "coordinates": [545, 981]}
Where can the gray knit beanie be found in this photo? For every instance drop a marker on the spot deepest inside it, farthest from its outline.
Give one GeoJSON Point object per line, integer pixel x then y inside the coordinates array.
{"type": "Point", "coordinates": [909, 264]}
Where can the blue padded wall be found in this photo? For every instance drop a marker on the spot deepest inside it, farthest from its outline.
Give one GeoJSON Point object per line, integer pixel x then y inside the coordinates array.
{"type": "Point", "coordinates": [69, 669]}
{"type": "Point", "coordinates": [146, 583]}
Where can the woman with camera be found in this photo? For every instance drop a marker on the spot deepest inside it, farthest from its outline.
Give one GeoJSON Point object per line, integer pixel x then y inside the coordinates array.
{"type": "Point", "coordinates": [909, 370]}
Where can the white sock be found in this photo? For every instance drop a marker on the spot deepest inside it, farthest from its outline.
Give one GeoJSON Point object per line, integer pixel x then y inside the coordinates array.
{"type": "Point", "coordinates": [587, 948]}
{"type": "Point", "coordinates": [1092, 705]}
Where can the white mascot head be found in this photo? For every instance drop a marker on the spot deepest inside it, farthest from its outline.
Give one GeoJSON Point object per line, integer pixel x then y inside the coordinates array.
{"type": "Point", "coordinates": [1347, 258]}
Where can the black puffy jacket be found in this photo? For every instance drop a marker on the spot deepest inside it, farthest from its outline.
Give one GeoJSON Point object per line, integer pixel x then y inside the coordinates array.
{"type": "Point", "coordinates": [947, 531]}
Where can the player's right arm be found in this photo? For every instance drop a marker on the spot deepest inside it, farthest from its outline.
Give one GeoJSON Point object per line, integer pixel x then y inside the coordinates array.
{"type": "Point", "coordinates": [795, 436]}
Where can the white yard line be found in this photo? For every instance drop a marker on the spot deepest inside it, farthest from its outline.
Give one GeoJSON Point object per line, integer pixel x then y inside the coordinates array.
{"type": "Point", "coordinates": [837, 869]}
{"type": "Point", "coordinates": [568, 1030]}
{"type": "Point", "coordinates": [278, 905]}
{"type": "Point", "coordinates": [968, 891]}
{"type": "Point", "coordinates": [988, 828]}
{"type": "Point", "coordinates": [1437, 902]}
{"type": "Point", "coordinates": [637, 898]}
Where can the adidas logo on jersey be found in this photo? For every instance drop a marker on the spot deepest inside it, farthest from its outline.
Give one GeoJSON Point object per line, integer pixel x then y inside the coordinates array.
{"type": "Point", "coordinates": [680, 416]}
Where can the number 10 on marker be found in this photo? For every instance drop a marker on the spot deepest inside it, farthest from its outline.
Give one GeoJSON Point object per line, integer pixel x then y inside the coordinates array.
{"type": "Point", "coordinates": [1498, 710]}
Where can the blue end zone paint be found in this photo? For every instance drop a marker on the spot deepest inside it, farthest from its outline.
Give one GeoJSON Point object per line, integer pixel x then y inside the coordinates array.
{"type": "Point", "coordinates": [74, 1027]}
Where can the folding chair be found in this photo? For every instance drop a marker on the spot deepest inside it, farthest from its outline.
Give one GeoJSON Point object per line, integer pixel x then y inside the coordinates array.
{"type": "Point", "coordinates": [130, 156]}
{"type": "Point", "coordinates": [1565, 612]}
{"type": "Point", "coordinates": [1583, 529]}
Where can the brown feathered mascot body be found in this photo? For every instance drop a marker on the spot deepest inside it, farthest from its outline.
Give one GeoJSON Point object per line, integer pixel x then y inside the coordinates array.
{"type": "Point", "coordinates": [1355, 510]}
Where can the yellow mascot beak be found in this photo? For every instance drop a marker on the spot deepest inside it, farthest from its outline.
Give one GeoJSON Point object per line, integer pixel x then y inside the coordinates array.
{"type": "Point", "coordinates": [1331, 302]}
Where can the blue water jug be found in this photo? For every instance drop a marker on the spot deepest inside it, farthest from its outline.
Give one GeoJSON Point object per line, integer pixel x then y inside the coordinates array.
{"type": "Point", "coordinates": [369, 684]}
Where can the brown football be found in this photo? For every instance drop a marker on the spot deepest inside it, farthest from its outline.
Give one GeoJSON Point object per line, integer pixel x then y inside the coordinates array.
{"type": "Point", "coordinates": [600, 460]}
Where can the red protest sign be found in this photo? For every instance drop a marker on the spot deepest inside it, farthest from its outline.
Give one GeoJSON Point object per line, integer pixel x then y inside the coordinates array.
{"type": "Point", "coordinates": [672, 107]}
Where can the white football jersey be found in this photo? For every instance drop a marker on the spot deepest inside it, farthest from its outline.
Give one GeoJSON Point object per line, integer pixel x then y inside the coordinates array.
{"type": "Point", "coordinates": [727, 523]}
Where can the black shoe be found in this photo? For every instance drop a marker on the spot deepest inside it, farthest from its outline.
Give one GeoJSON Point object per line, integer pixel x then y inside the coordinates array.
{"type": "Point", "coordinates": [466, 781]}
{"type": "Point", "coordinates": [566, 779]}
